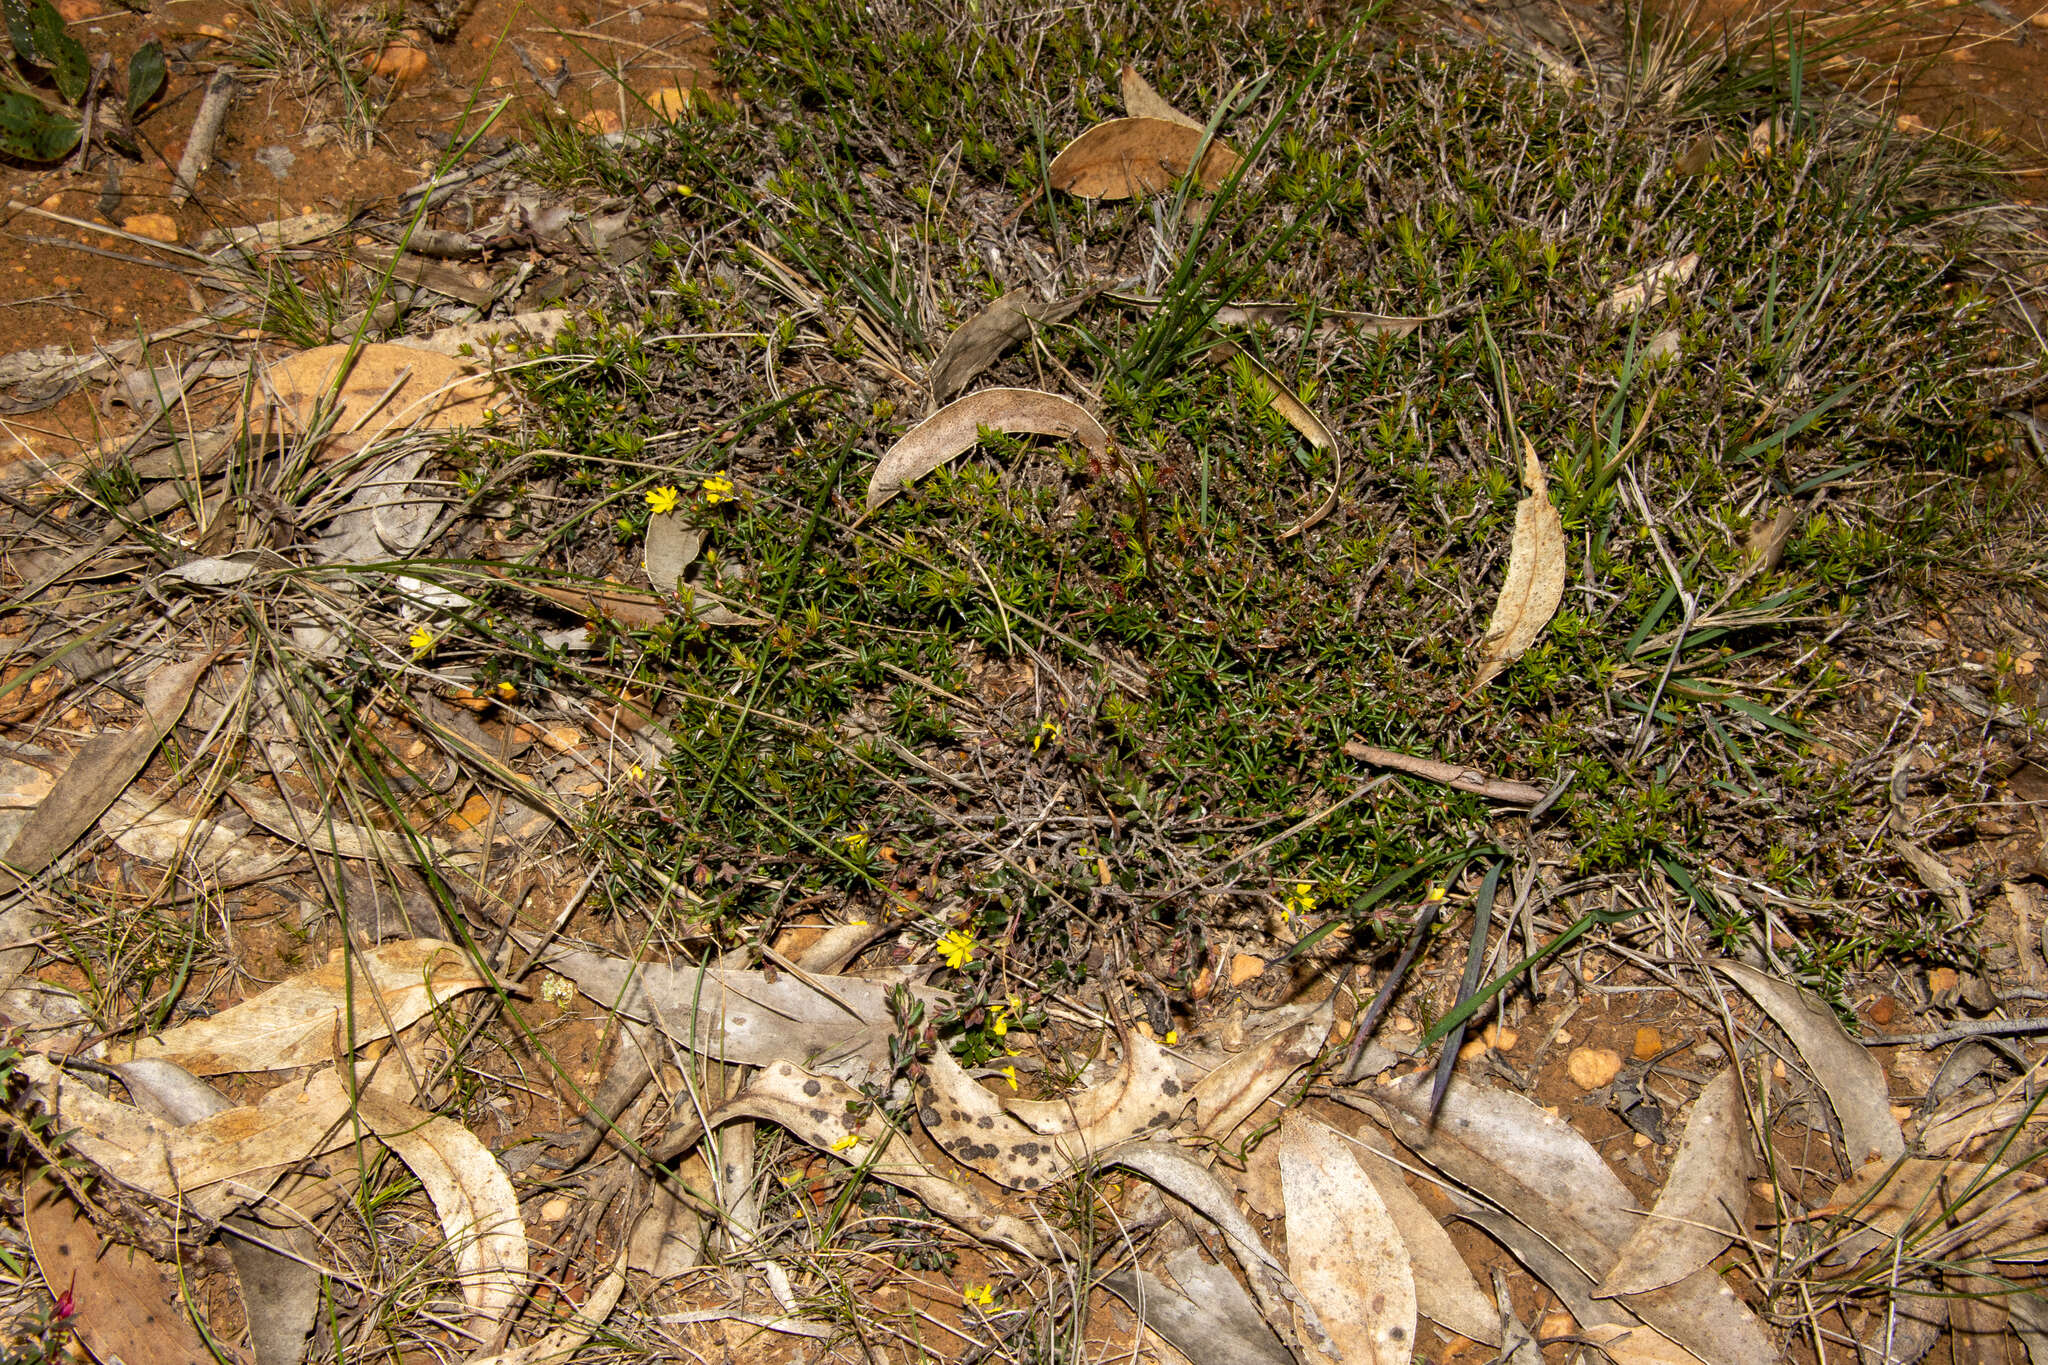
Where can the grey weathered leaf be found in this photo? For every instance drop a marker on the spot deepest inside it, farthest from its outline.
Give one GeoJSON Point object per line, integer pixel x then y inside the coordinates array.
{"type": "Point", "coordinates": [953, 430]}
{"type": "Point", "coordinates": [218, 571]}
{"type": "Point", "coordinates": [1534, 585]}
{"type": "Point", "coordinates": [1126, 157]}
{"type": "Point", "coordinates": [1229, 1095]}
{"type": "Point", "coordinates": [1445, 1290]}
{"type": "Point", "coordinates": [1852, 1078]}
{"type": "Point", "coordinates": [979, 340]}
{"type": "Point", "coordinates": [1208, 1318]}
{"type": "Point", "coordinates": [1573, 1287]}
{"type": "Point", "coordinates": [672, 546]}
{"type": "Point", "coordinates": [1699, 1210]}
{"type": "Point", "coordinates": [1343, 1251]}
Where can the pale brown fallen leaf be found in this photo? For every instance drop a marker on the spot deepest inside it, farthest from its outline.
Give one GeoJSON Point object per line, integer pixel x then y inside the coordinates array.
{"type": "Point", "coordinates": [471, 1193]}
{"type": "Point", "coordinates": [1699, 1211]}
{"type": "Point", "coordinates": [1940, 1206]}
{"type": "Point", "coordinates": [1573, 1287]}
{"type": "Point", "coordinates": [996, 328]}
{"type": "Point", "coordinates": [1445, 1291]}
{"type": "Point", "coordinates": [1343, 1250]}
{"type": "Point", "coordinates": [1177, 1172]}
{"type": "Point", "coordinates": [1126, 157]}
{"type": "Point", "coordinates": [836, 1119]}
{"type": "Point", "coordinates": [1453, 775]}
{"type": "Point", "coordinates": [1851, 1077]}
{"type": "Point", "coordinates": [304, 1020]}
{"type": "Point", "coordinates": [1142, 101]}
{"type": "Point", "coordinates": [127, 1308]}
{"type": "Point", "coordinates": [1649, 286]}
{"type": "Point", "coordinates": [1230, 1094]}
{"type": "Point", "coordinates": [672, 545]}
{"type": "Point", "coordinates": [324, 834]}
{"type": "Point", "coordinates": [952, 431]}
{"type": "Point", "coordinates": [569, 1338]}
{"type": "Point", "coordinates": [389, 390]}
{"type": "Point", "coordinates": [1144, 1071]}
{"type": "Point", "coordinates": [1534, 585]}
{"type": "Point", "coordinates": [744, 1016]}
{"type": "Point", "coordinates": [1638, 1345]}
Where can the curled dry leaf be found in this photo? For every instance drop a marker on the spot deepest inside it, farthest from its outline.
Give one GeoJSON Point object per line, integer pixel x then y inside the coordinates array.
{"type": "Point", "coordinates": [972, 1126]}
{"type": "Point", "coordinates": [672, 546]}
{"type": "Point", "coordinates": [742, 1016]}
{"type": "Point", "coordinates": [1147, 1077]}
{"type": "Point", "coordinates": [1699, 1211]}
{"type": "Point", "coordinates": [1125, 157]}
{"type": "Point", "coordinates": [1852, 1078]}
{"type": "Point", "coordinates": [1233, 1092]}
{"type": "Point", "coordinates": [1535, 579]}
{"type": "Point", "coordinates": [953, 430]}
{"type": "Point", "coordinates": [471, 1193]}
{"type": "Point", "coordinates": [1181, 1175]}
{"type": "Point", "coordinates": [307, 1018]}
{"type": "Point", "coordinates": [1142, 101]}
{"type": "Point", "coordinates": [836, 1119]}
{"type": "Point", "coordinates": [1445, 1291]}
{"type": "Point", "coordinates": [1343, 1251]}
{"type": "Point", "coordinates": [1649, 287]}
{"type": "Point", "coordinates": [388, 391]}
{"type": "Point", "coordinates": [995, 329]}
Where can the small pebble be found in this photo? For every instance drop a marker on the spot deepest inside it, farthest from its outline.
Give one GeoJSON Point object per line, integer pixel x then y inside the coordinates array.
{"type": "Point", "coordinates": [1649, 1042]}
{"type": "Point", "coordinates": [1593, 1067]}
{"type": "Point", "coordinates": [1556, 1323]}
{"type": "Point", "coordinates": [158, 227]}
{"type": "Point", "coordinates": [554, 1211]}
{"type": "Point", "coordinates": [1243, 967]}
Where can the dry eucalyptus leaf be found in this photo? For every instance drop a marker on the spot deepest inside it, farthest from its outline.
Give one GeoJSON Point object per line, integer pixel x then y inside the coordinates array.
{"type": "Point", "coordinates": [952, 431]}
{"type": "Point", "coordinates": [742, 1016]}
{"type": "Point", "coordinates": [972, 1126]}
{"type": "Point", "coordinates": [1146, 1081]}
{"type": "Point", "coordinates": [1852, 1078]}
{"type": "Point", "coordinates": [1699, 1211]}
{"type": "Point", "coordinates": [1211, 1321]}
{"type": "Point", "coordinates": [308, 1018]}
{"type": "Point", "coordinates": [1998, 1212]}
{"type": "Point", "coordinates": [315, 831]}
{"type": "Point", "coordinates": [385, 517]}
{"type": "Point", "coordinates": [1125, 157]}
{"type": "Point", "coordinates": [1906, 1328]}
{"type": "Point", "coordinates": [1535, 579]}
{"type": "Point", "coordinates": [1649, 287]}
{"type": "Point", "coordinates": [1573, 1287]}
{"type": "Point", "coordinates": [557, 1346]}
{"type": "Point", "coordinates": [836, 1119]}
{"type": "Point", "coordinates": [1142, 101]}
{"type": "Point", "coordinates": [213, 1166]}
{"type": "Point", "coordinates": [1445, 1291]}
{"type": "Point", "coordinates": [1178, 1173]}
{"type": "Point", "coordinates": [390, 390]}
{"type": "Point", "coordinates": [1229, 1095]}
{"type": "Point", "coordinates": [127, 1308]}
{"type": "Point", "coordinates": [672, 546]}
{"type": "Point", "coordinates": [98, 774]}
{"type": "Point", "coordinates": [471, 1193]}
{"type": "Point", "coordinates": [1343, 1251]}
{"type": "Point", "coordinates": [995, 329]}
{"type": "Point", "coordinates": [159, 832]}
{"type": "Point", "coordinates": [1638, 1345]}
{"type": "Point", "coordinates": [1934, 874]}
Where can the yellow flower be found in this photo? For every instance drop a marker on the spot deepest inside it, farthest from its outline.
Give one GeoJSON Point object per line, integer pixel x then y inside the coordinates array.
{"type": "Point", "coordinates": [1436, 893]}
{"type": "Point", "coordinates": [661, 501]}
{"type": "Point", "coordinates": [979, 1295]}
{"type": "Point", "coordinates": [1301, 899]}
{"type": "Point", "coordinates": [857, 924]}
{"type": "Point", "coordinates": [857, 841]}
{"type": "Point", "coordinates": [716, 489]}
{"type": "Point", "coordinates": [845, 1144]}
{"type": "Point", "coordinates": [1047, 729]}
{"type": "Point", "coordinates": [508, 691]}
{"type": "Point", "coordinates": [956, 946]}
{"type": "Point", "coordinates": [638, 772]}
{"type": "Point", "coordinates": [1010, 1074]}
{"type": "Point", "coordinates": [421, 639]}
{"type": "Point", "coordinates": [999, 1021]}
{"type": "Point", "coordinates": [1172, 1036]}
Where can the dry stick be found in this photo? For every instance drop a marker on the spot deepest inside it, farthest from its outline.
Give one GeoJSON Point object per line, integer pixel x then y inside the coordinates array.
{"type": "Point", "coordinates": [1981, 1028]}
{"type": "Point", "coordinates": [206, 126]}
{"type": "Point", "coordinates": [1454, 775]}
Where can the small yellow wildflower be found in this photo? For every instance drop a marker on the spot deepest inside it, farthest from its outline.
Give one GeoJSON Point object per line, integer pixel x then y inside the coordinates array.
{"type": "Point", "coordinates": [956, 946]}
{"type": "Point", "coordinates": [1300, 900]}
{"type": "Point", "coordinates": [1048, 729]}
{"type": "Point", "coordinates": [1172, 1036]}
{"type": "Point", "coordinates": [421, 639]}
{"type": "Point", "coordinates": [639, 773]}
{"type": "Point", "coordinates": [857, 924]}
{"type": "Point", "coordinates": [857, 841]}
{"type": "Point", "coordinates": [716, 489]}
{"type": "Point", "coordinates": [1009, 1073]}
{"type": "Point", "coordinates": [845, 1144]}
{"type": "Point", "coordinates": [979, 1295]}
{"type": "Point", "coordinates": [1436, 893]}
{"type": "Point", "coordinates": [508, 691]}
{"type": "Point", "coordinates": [999, 1021]}
{"type": "Point", "coordinates": [662, 501]}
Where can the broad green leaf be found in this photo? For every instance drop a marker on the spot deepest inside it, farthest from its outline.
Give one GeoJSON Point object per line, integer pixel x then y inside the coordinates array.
{"type": "Point", "coordinates": [39, 36]}
{"type": "Point", "coordinates": [145, 77]}
{"type": "Point", "coordinates": [32, 132]}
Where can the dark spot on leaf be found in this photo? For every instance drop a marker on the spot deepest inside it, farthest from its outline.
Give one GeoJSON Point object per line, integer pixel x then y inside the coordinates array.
{"type": "Point", "coordinates": [928, 1116]}
{"type": "Point", "coordinates": [984, 1122]}
{"type": "Point", "coordinates": [817, 1116]}
{"type": "Point", "coordinates": [812, 1087]}
{"type": "Point", "coordinates": [1169, 1086]}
